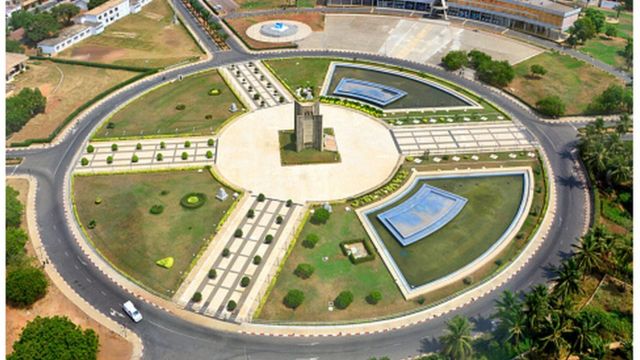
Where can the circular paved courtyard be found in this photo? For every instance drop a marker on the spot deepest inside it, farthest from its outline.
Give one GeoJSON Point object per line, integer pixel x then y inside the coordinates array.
{"type": "Point", "coordinates": [249, 157]}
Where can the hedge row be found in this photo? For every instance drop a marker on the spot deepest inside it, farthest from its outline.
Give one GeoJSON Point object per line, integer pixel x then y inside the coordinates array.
{"type": "Point", "coordinates": [395, 183]}
{"type": "Point", "coordinates": [83, 107]}
{"type": "Point", "coordinates": [368, 109]}
{"type": "Point", "coordinates": [367, 245]}
{"type": "Point", "coordinates": [93, 64]}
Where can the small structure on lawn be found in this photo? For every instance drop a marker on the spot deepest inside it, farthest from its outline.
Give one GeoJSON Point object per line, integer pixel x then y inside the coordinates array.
{"type": "Point", "coordinates": [308, 127]}
{"type": "Point", "coordinates": [233, 108]}
{"type": "Point", "coordinates": [327, 207]}
{"type": "Point", "coordinates": [221, 194]}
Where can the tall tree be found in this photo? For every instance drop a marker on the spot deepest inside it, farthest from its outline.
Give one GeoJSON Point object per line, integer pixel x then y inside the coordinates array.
{"type": "Point", "coordinates": [587, 253]}
{"type": "Point", "coordinates": [65, 12]}
{"type": "Point", "coordinates": [43, 26]}
{"type": "Point", "coordinates": [567, 278]}
{"type": "Point", "coordinates": [457, 341]}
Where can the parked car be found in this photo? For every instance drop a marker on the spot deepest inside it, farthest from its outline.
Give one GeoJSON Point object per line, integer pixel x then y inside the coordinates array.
{"type": "Point", "coordinates": [131, 310]}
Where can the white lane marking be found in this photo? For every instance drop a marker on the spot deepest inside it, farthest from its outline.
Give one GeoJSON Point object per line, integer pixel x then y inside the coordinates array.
{"type": "Point", "coordinates": [114, 312]}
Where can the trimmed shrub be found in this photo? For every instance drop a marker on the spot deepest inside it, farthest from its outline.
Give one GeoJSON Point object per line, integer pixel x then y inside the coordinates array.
{"type": "Point", "coordinates": [138, 146]}
{"type": "Point", "coordinates": [84, 162]}
{"type": "Point", "coordinates": [261, 197]}
{"type": "Point", "coordinates": [181, 107]}
{"type": "Point", "coordinates": [114, 147]}
{"type": "Point", "coordinates": [156, 209]}
{"type": "Point", "coordinates": [551, 106]}
{"type": "Point", "coordinates": [193, 200]}
{"type": "Point", "coordinates": [343, 300]}
{"type": "Point", "coordinates": [163, 145]}
{"type": "Point", "coordinates": [289, 203]}
{"type": "Point", "coordinates": [420, 300]}
{"type": "Point", "coordinates": [231, 305]}
{"type": "Point", "coordinates": [109, 159]}
{"type": "Point", "coordinates": [257, 260]}
{"type": "Point", "coordinates": [184, 156]}
{"type": "Point", "coordinates": [304, 271]}
{"type": "Point", "coordinates": [90, 149]}
{"type": "Point", "coordinates": [187, 144]}
{"type": "Point", "coordinates": [208, 117]}
{"type": "Point", "coordinates": [197, 297]}
{"type": "Point", "coordinates": [25, 285]}
{"type": "Point", "coordinates": [212, 274]}
{"type": "Point", "coordinates": [374, 297]}
{"type": "Point", "coordinates": [159, 157]}
{"type": "Point", "coordinates": [310, 241]}
{"type": "Point", "coordinates": [134, 158]}
{"type": "Point", "coordinates": [455, 60]}
{"type": "Point", "coordinates": [245, 281]}
{"type": "Point", "coordinates": [92, 224]}
{"type": "Point", "coordinates": [166, 263]}
{"type": "Point", "coordinates": [210, 142]}
{"type": "Point", "coordinates": [320, 216]}
{"type": "Point", "coordinates": [98, 200]}
{"type": "Point", "coordinates": [293, 299]}
{"type": "Point", "coordinates": [214, 92]}
{"type": "Point", "coordinates": [251, 214]}
{"type": "Point", "coordinates": [226, 252]}
{"type": "Point", "coordinates": [468, 280]}
{"type": "Point", "coordinates": [279, 219]}
{"type": "Point", "coordinates": [268, 239]}
{"type": "Point", "coordinates": [209, 154]}
{"type": "Point", "coordinates": [238, 233]}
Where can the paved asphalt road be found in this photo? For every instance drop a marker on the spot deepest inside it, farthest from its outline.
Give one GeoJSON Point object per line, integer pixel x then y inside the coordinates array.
{"type": "Point", "coordinates": [168, 337]}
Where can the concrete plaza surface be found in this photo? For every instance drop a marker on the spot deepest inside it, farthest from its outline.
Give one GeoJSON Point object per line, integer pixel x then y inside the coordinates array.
{"type": "Point", "coordinates": [249, 156]}
{"type": "Point", "coordinates": [421, 40]}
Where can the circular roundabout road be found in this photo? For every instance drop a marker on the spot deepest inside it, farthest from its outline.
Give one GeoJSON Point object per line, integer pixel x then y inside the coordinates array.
{"type": "Point", "coordinates": [168, 337]}
{"type": "Point", "coordinates": [249, 155]}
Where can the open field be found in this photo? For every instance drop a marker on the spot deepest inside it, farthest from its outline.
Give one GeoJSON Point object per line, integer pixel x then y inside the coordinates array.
{"type": "Point", "coordinates": [607, 50]}
{"type": "Point", "coordinates": [492, 204]}
{"type": "Point", "coordinates": [574, 81]}
{"type": "Point", "coordinates": [289, 155]}
{"type": "Point", "coordinates": [301, 72]}
{"type": "Point", "coordinates": [337, 273]}
{"type": "Point", "coordinates": [132, 238]}
{"type": "Point", "coordinates": [241, 24]}
{"type": "Point", "coordinates": [156, 113]}
{"type": "Point", "coordinates": [149, 38]}
{"type": "Point", "coordinates": [112, 346]}
{"type": "Point", "coordinates": [66, 87]}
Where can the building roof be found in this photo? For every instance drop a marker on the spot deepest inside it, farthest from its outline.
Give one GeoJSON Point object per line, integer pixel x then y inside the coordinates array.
{"type": "Point", "coordinates": [548, 4]}
{"type": "Point", "coordinates": [65, 34]}
{"type": "Point", "coordinates": [104, 7]}
{"type": "Point", "coordinates": [14, 59]}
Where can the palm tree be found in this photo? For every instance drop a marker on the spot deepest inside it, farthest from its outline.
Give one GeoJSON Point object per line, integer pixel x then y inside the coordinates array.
{"type": "Point", "coordinates": [585, 329]}
{"type": "Point", "coordinates": [512, 321]}
{"type": "Point", "coordinates": [456, 343]}
{"type": "Point", "coordinates": [587, 253]}
{"type": "Point", "coordinates": [554, 332]}
{"type": "Point", "coordinates": [624, 124]}
{"type": "Point", "coordinates": [537, 307]}
{"type": "Point", "coordinates": [618, 8]}
{"type": "Point", "coordinates": [567, 278]}
{"type": "Point", "coordinates": [507, 305]}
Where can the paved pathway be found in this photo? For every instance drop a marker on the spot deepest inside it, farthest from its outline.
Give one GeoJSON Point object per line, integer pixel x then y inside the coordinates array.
{"type": "Point", "coordinates": [199, 152]}
{"type": "Point", "coordinates": [458, 139]}
{"type": "Point", "coordinates": [271, 217]}
{"type": "Point", "coordinates": [256, 85]}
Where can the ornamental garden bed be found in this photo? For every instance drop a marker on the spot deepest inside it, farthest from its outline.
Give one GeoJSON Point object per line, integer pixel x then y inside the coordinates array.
{"type": "Point", "coordinates": [335, 273]}
{"type": "Point", "coordinates": [289, 155]}
{"type": "Point", "coordinates": [132, 239]}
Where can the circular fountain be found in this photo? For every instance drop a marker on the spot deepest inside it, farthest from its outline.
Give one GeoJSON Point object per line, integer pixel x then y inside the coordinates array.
{"type": "Point", "coordinates": [279, 31]}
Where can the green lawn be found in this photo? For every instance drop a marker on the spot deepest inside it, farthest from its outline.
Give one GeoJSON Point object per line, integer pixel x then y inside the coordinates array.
{"type": "Point", "coordinates": [272, 4]}
{"type": "Point", "coordinates": [132, 239]}
{"type": "Point", "coordinates": [625, 22]}
{"type": "Point", "coordinates": [492, 203]}
{"type": "Point", "coordinates": [301, 72]}
{"type": "Point", "coordinates": [333, 276]}
{"type": "Point", "coordinates": [606, 50]}
{"type": "Point", "coordinates": [574, 81]}
{"type": "Point", "coordinates": [156, 113]}
{"type": "Point", "coordinates": [289, 155]}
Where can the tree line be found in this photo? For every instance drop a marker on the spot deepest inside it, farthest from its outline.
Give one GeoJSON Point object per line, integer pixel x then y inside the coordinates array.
{"type": "Point", "coordinates": [22, 107]}
{"type": "Point", "coordinates": [43, 25]}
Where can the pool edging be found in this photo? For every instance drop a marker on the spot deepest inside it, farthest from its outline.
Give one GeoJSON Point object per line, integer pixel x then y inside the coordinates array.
{"type": "Point", "coordinates": [407, 290]}
{"type": "Point", "coordinates": [332, 66]}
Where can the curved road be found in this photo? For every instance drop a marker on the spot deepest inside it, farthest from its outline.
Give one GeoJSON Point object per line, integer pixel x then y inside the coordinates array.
{"type": "Point", "coordinates": [168, 337]}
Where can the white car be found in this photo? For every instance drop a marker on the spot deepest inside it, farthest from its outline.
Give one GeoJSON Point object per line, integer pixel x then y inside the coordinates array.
{"type": "Point", "coordinates": [131, 310]}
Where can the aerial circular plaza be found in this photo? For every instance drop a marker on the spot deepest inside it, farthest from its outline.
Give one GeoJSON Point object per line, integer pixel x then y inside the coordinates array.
{"type": "Point", "coordinates": [341, 170]}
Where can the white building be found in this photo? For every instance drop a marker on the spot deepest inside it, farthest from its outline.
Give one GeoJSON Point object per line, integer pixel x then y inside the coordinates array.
{"type": "Point", "coordinates": [68, 36]}
{"type": "Point", "coordinates": [91, 23]}
{"type": "Point", "coordinates": [105, 14]}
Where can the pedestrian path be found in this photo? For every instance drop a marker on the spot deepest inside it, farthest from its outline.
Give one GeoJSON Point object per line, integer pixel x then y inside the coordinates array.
{"type": "Point", "coordinates": [123, 155]}
{"type": "Point", "coordinates": [252, 247]}
{"type": "Point", "coordinates": [256, 85]}
{"type": "Point", "coordinates": [465, 138]}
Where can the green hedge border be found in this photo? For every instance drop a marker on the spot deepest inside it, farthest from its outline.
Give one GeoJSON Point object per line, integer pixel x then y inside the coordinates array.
{"type": "Point", "coordinates": [87, 104]}
{"type": "Point", "coordinates": [367, 246]}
